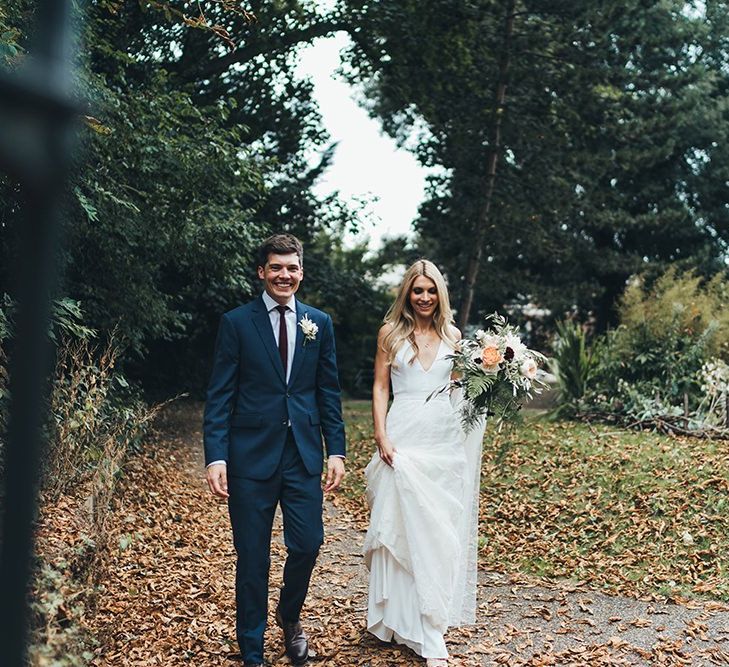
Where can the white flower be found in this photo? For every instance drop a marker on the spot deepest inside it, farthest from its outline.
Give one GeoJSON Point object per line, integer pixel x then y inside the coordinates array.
{"type": "Point", "coordinates": [309, 328]}
{"type": "Point", "coordinates": [490, 340]}
{"type": "Point", "coordinates": [687, 538]}
{"type": "Point", "coordinates": [714, 375]}
{"type": "Point", "coordinates": [514, 342]}
{"type": "Point", "coordinates": [529, 369]}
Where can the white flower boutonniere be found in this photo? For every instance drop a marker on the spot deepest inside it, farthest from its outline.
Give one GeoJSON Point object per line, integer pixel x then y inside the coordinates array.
{"type": "Point", "coordinates": [309, 328]}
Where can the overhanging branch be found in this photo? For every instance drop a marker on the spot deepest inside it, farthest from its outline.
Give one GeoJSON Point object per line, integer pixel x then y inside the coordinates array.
{"type": "Point", "coordinates": [247, 53]}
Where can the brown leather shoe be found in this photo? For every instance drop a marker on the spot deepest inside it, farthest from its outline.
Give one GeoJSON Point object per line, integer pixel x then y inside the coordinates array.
{"type": "Point", "coordinates": [297, 645]}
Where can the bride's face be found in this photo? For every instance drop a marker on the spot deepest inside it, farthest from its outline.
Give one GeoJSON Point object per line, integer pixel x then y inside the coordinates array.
{"type": "Point", "coordinates": [424, 296]}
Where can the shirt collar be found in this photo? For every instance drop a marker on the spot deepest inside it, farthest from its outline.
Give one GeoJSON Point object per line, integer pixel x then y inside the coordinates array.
{"type": "Point", "coordinates": [271, 303]}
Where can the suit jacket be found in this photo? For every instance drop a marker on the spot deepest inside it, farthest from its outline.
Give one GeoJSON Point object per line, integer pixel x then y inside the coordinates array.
{"type": "Point", "coordinates": [250, 405]}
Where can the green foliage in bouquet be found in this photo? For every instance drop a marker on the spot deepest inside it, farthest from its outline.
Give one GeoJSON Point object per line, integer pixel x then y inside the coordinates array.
{"type": "Point", "coordinates": [477, 391]}
{"type": "Point", "coordinates": [496, 373]}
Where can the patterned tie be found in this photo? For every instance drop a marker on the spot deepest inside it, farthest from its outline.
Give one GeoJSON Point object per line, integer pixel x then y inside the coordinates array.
{"type": "Point", "coordinates": [283, 339]}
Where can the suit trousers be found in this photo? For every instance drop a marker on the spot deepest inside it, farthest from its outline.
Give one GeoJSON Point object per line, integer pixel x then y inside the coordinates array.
{"type": "Point", "coordinates": [252, 505]}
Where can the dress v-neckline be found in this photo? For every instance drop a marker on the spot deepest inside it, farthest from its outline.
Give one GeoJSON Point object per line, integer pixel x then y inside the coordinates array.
{"type": "Point", "coordinates": [435, 358]}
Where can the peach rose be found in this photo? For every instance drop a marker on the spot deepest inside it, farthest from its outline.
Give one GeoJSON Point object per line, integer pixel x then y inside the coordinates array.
{"type": "Point", "coordinates": [490, 356]}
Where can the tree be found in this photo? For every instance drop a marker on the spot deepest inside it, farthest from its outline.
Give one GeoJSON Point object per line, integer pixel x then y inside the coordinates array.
{"type": "Point", "coordinates": [198, 143]}
{"type": "Point", "coordinates": [610, 152]}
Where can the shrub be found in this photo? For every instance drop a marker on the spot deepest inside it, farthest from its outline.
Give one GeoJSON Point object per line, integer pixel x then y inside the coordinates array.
{"type": "Point", "coordinates": [572, 363]}
{"type": "Point", "coordinates": [649, 369]}
{"type": "Point", "coordinates": [684, 304]}
{"type": "Point", "coordinates": [95, 416]}
{"type": "Point", "coordinates": [666, 333]}
{"type": "Point", "coordinates": [66, 323]}
{"type": "Point", "coordinates": [89, 399]}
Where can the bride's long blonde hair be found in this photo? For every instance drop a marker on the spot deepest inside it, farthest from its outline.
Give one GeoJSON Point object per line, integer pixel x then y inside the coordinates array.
{"type": "Point", "coordinates": [401, 318]}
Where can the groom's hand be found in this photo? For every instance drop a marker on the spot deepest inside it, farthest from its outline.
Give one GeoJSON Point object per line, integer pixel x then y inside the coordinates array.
{"type": "Point", "coordinates": [335, 473]}
{"type": "Point", "coordinates": [217, 476]}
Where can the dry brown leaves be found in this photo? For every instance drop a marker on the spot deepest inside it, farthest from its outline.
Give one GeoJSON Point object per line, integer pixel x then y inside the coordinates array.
{"type": "Point", "coordinates": [165, 599]}
{"type": "Point", "coordinates": [635, 514]}
{"type": "Point", "coordinates": [166, 594]}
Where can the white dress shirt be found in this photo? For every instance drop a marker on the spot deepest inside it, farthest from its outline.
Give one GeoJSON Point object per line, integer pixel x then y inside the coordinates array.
{"type": "Point", "coordinates": [275, 317]}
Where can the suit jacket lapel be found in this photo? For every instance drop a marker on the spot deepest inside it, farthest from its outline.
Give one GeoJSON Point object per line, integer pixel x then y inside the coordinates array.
{"type": "Point", "coordinates": [262, 322]}
{"type": "Point", "coordinates": [300, 349]}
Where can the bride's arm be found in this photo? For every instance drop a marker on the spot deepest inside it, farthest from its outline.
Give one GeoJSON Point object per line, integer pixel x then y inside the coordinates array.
{"type": "Point", "coordinates": [380, 397]}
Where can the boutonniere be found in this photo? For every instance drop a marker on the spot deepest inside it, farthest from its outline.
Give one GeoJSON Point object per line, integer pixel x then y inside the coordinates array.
{"type": "Point", "coordinates": [309, 328]}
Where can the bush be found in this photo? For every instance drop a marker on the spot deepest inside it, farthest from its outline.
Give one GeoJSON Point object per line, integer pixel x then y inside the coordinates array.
{"type": "Point", "coordinates": [649, 369]}
{"type": "Point", "coordinates": [95, 416]}
{"type": "Point", "coordinates": [572, 363]}
{"type": "Point", "coordinates": [90, 405]}
{"type": "Point", "coordinates": [66, 323]}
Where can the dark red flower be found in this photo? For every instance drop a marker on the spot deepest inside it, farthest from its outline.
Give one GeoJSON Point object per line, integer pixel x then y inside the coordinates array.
{"type": "Point", "coordinates": [508, 354]}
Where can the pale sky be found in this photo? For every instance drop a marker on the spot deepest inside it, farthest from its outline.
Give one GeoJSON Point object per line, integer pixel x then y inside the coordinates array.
{"type": "Point", "coordinates": [367, 164]}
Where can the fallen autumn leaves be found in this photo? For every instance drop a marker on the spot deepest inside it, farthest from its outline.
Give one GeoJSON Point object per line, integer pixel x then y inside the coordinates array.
{"type": "Point", "coordinates": [631, 513]}
{"type": "Point", "coordinates": [166, 594]}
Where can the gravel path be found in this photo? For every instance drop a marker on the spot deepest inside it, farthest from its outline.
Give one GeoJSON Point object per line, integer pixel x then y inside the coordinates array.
{"type": "Point", "coordinates": [521, 622]}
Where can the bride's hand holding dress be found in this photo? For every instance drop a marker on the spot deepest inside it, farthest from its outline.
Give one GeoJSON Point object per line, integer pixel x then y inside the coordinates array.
{"type": "Point", "coordinates": [386, 451]}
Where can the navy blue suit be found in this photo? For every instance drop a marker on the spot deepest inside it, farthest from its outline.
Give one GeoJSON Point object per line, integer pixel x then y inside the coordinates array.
{"type": "Point", "coordinates": [269, 432]}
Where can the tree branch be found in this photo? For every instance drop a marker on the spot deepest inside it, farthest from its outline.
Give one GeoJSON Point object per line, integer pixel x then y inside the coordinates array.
{"type": "Point", "coordinates": [246, 53]}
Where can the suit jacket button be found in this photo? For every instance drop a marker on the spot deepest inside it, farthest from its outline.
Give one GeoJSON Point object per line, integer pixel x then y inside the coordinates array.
{"type": "Point", "coordinates": [288, 395]}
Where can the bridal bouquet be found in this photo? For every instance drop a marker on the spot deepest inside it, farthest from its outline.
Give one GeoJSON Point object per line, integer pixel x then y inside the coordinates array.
{"type": "Point", "coordinates": [496, 372]}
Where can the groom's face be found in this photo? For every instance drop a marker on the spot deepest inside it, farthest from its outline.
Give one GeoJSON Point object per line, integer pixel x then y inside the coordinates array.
{"type": "Point", "coordinates": [281, 276]}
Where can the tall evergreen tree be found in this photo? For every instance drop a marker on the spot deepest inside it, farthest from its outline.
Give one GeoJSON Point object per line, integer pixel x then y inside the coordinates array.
{"type": "Point", "coordinates": [611, 137]}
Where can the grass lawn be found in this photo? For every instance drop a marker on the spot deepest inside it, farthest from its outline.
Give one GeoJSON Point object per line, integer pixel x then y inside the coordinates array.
{"type": "Point", "coordinates": [627, 512]}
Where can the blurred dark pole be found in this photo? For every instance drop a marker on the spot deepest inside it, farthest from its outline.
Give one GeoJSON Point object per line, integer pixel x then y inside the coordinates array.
{"type": "Point", "coordinates": [36, 129]}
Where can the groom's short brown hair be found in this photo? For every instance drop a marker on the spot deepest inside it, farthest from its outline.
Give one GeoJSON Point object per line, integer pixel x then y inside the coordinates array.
{"type": "Point", "coordinates": [280, 244]}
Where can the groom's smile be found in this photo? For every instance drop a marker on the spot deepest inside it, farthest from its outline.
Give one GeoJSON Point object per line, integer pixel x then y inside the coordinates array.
{"type": "Point", "coordinates": [281, 276]}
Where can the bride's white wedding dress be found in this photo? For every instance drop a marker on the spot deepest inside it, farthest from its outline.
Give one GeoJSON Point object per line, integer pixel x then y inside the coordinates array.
{"type": "Point", "coordinates": [421, 543]}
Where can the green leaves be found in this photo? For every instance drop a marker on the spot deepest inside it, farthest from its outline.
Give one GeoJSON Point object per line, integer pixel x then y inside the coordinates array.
{"type": "Point", "coordinates": [574, 362]}
{"type": "Point", "coordinates": [91, 213]}
{"type": "Point", "coordinates": [478, 383]}
{"type": "Point", "coordinates": [647, 371]}
{"type": "Point", "coordinates": [607, 166]}
{"type": "Point", "coordinates": [9, 39]}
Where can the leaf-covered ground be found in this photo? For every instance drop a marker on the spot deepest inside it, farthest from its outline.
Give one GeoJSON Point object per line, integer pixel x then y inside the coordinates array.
{"type": "Point", "coordinates": [167, 595]}
{"type": "Point", "coordinates": [632, 513]}
{"type": "Point", "coordinates": [627, 512]}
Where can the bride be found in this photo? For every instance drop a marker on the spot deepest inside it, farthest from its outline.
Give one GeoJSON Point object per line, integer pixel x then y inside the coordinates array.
{"type": "Point", "coordinates": [423, 483]}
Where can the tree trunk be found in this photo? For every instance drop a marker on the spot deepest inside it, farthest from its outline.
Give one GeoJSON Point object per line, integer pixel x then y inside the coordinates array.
{"type": "Point", "coordinates": [482, 221]}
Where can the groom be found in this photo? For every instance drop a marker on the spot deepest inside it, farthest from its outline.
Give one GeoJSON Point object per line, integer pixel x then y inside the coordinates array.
{"type": "Point", "coordinates": [273, 394]}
